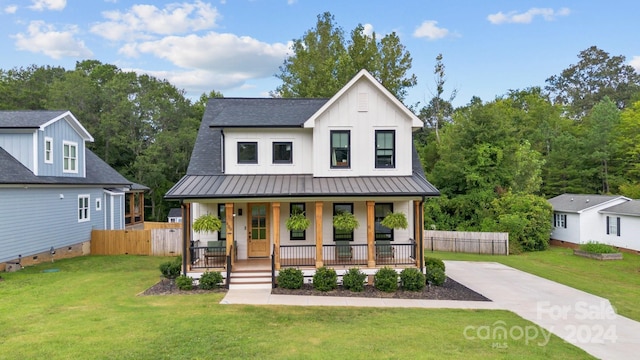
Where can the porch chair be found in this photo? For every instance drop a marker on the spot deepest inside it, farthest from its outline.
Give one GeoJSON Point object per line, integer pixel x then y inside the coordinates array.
{"type": "Point", "coordinates": [343, 251]}
{"type": "Point", "coordinates": [384, 250]}
{"type": "Point", "coordinates": [216, 250]}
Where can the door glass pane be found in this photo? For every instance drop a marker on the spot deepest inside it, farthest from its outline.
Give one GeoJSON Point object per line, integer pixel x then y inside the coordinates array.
{"type": "Point", "coordinates": [263, 234]}
{"type": "Point", "coordinates": [254, 234]}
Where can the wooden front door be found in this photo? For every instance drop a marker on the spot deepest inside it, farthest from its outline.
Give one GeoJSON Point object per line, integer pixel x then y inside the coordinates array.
{"type": "Point", "coordinates": [258, 230]}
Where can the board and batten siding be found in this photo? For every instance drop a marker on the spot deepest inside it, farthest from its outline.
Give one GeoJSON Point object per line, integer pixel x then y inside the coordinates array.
{"type": "Point", "coordinates": [60, 131]}
{"type": "Point", "coordinates": [20, 146]}
{"type": "Point", "coordinates": [362, 118]}
{"type": "Point", "coordinates": [36, 219]}
{"type": "Point", "coordinates": [301, 151]}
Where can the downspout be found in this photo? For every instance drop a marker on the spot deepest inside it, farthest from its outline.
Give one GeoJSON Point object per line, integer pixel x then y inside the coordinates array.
{"type": "Point", "coordinates": [222, 149]}
{"type": "Point", "coordinates": [421, 237]}
{"type": "Point", "coordinates": [185, 221]}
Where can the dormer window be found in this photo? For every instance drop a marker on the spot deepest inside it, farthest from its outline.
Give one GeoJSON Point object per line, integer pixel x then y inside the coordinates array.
{"type": "Point", "coordinates": [70, 157]}
{"type": "Point", "coordinates": [247, 153]}
{"type": "Point", "coordinates": [48, 150]}
{"type": "Point", "coordinates": [340, 148]}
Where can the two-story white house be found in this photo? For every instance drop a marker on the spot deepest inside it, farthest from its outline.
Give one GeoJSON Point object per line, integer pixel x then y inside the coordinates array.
{"type": "Point", "coordinates": [257, 160]}
{"type": "Point", "coordinates": [53, 190]}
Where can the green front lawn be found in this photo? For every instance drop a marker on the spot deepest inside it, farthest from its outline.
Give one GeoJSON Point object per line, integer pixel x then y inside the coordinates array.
{"type": "Point", "coordinates": [616, 280]}
{"type": "Point", "coordinates": [90, 310]}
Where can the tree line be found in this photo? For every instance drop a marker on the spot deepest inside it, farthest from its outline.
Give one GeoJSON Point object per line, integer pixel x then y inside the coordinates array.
{"type": "Point", "coordinates": [495, 162]}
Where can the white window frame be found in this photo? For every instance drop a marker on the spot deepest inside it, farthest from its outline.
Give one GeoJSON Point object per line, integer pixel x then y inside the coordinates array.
{"type": "Point", "coordinates": [84, 210]}
{"type": "Point", "coordinates": [560, 220]}
{"type": "Point", "coordinates": [48, 152]}
{"type": "Point", "coordinates": [98, 204]}
{"type": "Point", "coordinates": [68, 160]}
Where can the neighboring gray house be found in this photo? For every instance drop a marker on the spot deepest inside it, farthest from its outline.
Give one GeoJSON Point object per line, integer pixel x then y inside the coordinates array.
{"type": "Point", "coordinates": [53, 190]}
{"type": "Point", "coordinates": [609, 219]}
{"type": "Point", "coordinates": [175, 215]}
{"type": "Point", "coordinates": [257, 161]}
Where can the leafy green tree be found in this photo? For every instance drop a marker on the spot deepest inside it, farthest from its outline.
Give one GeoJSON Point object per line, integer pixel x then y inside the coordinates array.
{"type": "Point", "coordinates": [323, 61]}
{"type": "Point", "coordinates": [601, 124]}
{"type": "Point", "coordinates": [596, 75]}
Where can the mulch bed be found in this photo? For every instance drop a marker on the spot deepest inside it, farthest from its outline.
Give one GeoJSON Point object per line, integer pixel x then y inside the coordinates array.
{"type": "Point", "coordinates": [450, 290]}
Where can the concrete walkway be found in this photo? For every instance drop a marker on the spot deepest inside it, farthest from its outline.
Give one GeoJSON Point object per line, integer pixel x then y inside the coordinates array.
{"type": "Point", "coordinates": [582, 319]}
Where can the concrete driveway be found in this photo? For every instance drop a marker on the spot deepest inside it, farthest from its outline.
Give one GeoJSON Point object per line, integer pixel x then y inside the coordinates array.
{"type": "Point", "coordinates": [582, 319]}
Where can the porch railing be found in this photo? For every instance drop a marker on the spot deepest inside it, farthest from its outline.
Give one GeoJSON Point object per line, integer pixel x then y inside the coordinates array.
{"type": "Point", "coordinates": [202, 258]}
{"type": "Point", "coordinates": [229, 266]}
{"type": "Point", "coordinates": [393, 253]}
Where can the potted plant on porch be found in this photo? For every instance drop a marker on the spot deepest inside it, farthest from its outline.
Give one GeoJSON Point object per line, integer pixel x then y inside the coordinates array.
{"type": "Point", "coordinates": [395, 221]}
{"type": "Point", "coordinates": [207, 223]}
{"type": "Point", "coordinates": [345, 221]}
{"type": "Point", "coordinates": [298, 221]}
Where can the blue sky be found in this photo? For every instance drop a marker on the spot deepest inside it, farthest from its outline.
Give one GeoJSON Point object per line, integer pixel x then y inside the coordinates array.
{"type": "Point", "coordinates": [236, 46]}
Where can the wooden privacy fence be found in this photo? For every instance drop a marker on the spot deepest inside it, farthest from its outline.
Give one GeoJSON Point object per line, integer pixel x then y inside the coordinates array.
{"type": "Point", "coordinates": [467, 242]}
{"type": "Point", "coordinates": [155, 240]}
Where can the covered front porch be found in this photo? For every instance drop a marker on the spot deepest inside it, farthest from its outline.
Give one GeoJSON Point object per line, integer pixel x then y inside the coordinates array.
{"type": "Point", "coordinates": [257, 230]}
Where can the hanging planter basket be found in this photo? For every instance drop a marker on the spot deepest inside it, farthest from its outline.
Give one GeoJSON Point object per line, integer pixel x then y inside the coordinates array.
{"type": "Point", "coordinates": [207, 223]}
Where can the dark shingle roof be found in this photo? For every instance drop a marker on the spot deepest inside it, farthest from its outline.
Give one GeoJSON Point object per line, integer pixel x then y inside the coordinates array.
{"type": "Point", "coordinates": [579, 202]}
{"type": "Point", "coordinates": [631, 208]}
{"type": "Point", "coordinates": [98, 173]}
{"type": "Point", "coordinates": [175, 212]}
{"type": "Point", "coordinates": [260, 112]}
{"type": "Point", "coordinates": [27, 119]}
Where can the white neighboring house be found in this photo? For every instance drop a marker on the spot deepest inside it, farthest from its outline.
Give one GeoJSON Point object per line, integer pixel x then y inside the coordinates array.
{"type": "Point", "coordinates": [175, 215]}
{"type": "Point", "coordinates": [608, 219]}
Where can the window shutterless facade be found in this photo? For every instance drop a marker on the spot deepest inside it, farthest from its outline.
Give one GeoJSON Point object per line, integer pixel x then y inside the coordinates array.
{"type": "Point", "coordinates": [70, 157]}
{"type": "Point", "coordinates": [380, 211]}
{"type": "Point", "coordinates": [247, 152]}
{"type": "Point", "coordinates": [83, 208]}
{"type": "Point", "coordinates": [48, 150]}
{"type": "Point", "coordinates": [222, 215]}
{"type": "Point", "coordinates": [560, 220]}
{"type": "Point", "coordinates": [282, 153]}
{"type": "Point", "coordinates": [343, 235]}
{"type": "Point", "coordinates": [385, 148]}
{"type": "Point", "coordinates": [340, 148]}
{"type": "Point", "coordinates": [297, 208]}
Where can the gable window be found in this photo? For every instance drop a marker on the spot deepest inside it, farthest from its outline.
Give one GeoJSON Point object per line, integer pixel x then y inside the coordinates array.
{"type": "Point", "coordinates": [297, 208]}
{"type": "Point", "coordinates": [385, 148]}
{"type": "Point", "coordinates": [560, 220]}
{"type": "Point", "coordinates": [282, 153]}
{"type": "Point", "coordinates": [342, 235]}
{"type": "Point", "coordinates": [48, 150]}
{"type": "Point", "coordinates": [98, 204]}
{"type": "Point", "coordinates": [222, 215]}
{"type": "Point", "coordinates": [83, 208]}
{"type": "Point", "coordinates": [247, 153]}
{"type": "Point", "coordinates": [613, 225]}
{"type": "Point", "coordinates": [70, 157]}
{"type": "Point", "coordinates": [340, 148]}
{"type": "Point", "coordinates": [380, 211]}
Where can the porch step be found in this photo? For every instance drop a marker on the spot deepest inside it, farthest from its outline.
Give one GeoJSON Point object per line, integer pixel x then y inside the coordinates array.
{"type": "Point", "coordinates": [250, 279]}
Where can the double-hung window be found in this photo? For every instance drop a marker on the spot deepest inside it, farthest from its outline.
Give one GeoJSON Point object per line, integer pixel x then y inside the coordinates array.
{"type": "Point", "coordinates": [70, 157]}
{"type": "Point", "coordinates": [342, 234]}
{"type": "Point", "coordinates": [282, 153]}
{"type": "Point", "coordinates": [380, 211]}
{"type": "Point", "coordinates": [247, 152]}
{"type": "Point", "coordinates": [48, 150]}
{"type": "Point", "coordinates": [385, 148]}
{"type": "Point", "coordinates": [340, 148]}
{"type": "Point", "coordinates": [83, 208]}
{"type": "Point", "coordinates": [613, 225]}
{"type": "Point", "coordinates": [560, 220]}
{"type": "Point", "coordinates": [297, 208]}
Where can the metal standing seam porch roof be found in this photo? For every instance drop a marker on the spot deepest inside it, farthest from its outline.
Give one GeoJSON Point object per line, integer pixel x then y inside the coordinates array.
{"type": "Point", "coordinates": [205, 178]}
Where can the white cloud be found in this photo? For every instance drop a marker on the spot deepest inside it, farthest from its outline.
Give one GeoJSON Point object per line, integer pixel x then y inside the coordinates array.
{"type": "Point", "coordinates": [10, 9]}
{"type": "Point", "coordinates": [224, 53]}
{"type": "Point", "coordinates": [44, 38]}
{"type": "Point", "coordinates": [41, 5]}
{"type": "Point", "coordinates": [429, 29]}
{"type": "Point", "coordinates": [635, 62]}
{"type": "Point", "coordinates": [528, 16]}
{"type": "Point", "coordinates": [146, 21]}
{"type": "Point", "coordinates": [368, 29]}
